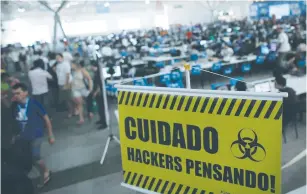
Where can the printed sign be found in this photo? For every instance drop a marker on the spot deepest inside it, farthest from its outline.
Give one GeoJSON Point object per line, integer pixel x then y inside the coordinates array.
{"type": "Point", "coordinates": [195, 144]}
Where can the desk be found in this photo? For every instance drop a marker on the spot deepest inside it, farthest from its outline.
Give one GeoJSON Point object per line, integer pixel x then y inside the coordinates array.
{"type": "Point", "coordinates": [298, 84]}
{"type": "Point", "coordinates": [138, 62]}
{"type": "Point", "coordinates": [167, 49]}
{"type": "Point", "coordinates": [163, 58]}
{"type": "Point", "coordinates": [205, 64]}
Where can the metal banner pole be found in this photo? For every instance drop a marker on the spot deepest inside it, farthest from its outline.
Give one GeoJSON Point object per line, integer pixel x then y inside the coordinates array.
{"type": "Point", "coordinates": [187, 76]}
{"type": "Point", "coordinates": [106, 109]}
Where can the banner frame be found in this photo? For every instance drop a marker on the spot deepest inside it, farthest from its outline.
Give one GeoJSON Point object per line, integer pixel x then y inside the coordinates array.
{"type": "Point", "coordinates": [208, 93]}
{"type": "Point", "coordinates": [196, 92]}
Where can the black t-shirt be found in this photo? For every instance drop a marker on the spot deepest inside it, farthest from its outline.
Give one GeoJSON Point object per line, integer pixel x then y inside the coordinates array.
{"type": "Point", "coordinates": [97, 81]}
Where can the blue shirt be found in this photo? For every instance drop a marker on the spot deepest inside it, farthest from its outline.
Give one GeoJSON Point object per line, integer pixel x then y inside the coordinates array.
{"type": "Point", "coordinates": [29, 117]}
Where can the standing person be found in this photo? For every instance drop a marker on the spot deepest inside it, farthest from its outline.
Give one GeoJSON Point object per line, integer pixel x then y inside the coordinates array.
{"type": "Point", "coordinates": [283, 49]}
{"type": "Point", "coordinates": [290, 106]}
{"type": "Point", "coordinates": [45, 59]}
{"type": "Point", "coordinates": [38, 78]}
{"type": "Point", "coordinates": [63, 71]}
{"type": "Point", "coordinates": [67, 56]}
{"type": "Point", "coordinates": [31, 119]}
{"type": "Point", "coordinates": [14, 55]}
{"type": "Point", "coordinates": [79, 90]}
{"type": "Point", "coordinates": [53, 83]}
{"type": "Point", "coordinates": [23, 59]}
{"type": "Point", "coordinates": [98, 96]}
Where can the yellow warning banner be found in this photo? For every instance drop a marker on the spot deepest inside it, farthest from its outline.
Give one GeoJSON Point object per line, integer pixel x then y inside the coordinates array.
{"type": "Point", "coordinates": [200, 145]}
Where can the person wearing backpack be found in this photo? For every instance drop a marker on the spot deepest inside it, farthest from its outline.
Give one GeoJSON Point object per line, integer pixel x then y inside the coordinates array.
{"type": "Point", "coordinates": [31, 118]}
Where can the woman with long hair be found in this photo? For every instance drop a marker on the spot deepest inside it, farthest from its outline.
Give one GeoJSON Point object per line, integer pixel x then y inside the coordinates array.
{"type": "Point", "coordinates": [81, 79]}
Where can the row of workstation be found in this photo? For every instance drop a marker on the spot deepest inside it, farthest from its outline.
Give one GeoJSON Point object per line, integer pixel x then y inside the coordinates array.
{"type": "Point", "coordinates": [204, 64]}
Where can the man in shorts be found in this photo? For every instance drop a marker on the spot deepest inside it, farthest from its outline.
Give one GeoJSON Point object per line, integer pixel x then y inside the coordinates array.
{"type": "Point", "coordinates": [31, 119]}
{"type": "Point", "coordinates": [63, 71]}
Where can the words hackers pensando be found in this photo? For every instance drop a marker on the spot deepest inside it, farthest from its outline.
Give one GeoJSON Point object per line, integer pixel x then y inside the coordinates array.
{"type": "Point", "coordinates": [196, 138]}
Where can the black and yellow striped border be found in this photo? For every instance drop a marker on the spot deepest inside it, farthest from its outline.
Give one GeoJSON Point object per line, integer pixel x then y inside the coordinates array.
{"type": "Point", "coordinates": [260, 109]}
{"type": "Point", "coordinates": [159, 185]}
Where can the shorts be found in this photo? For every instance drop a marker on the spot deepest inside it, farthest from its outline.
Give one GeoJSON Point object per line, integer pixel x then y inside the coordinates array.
{"type": "Point", "coordinates": [36, 149]}
{"type": "Point", "coordinates": [80, 93]}
{"type": "Point", "coordinates": [64, 95]}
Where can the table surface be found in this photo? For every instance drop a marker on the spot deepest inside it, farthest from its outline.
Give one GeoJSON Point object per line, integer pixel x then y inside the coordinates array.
{"type": "Point", "coordinates": [205, 64]}
{"type": "Point", "coordinates": [163, 58]}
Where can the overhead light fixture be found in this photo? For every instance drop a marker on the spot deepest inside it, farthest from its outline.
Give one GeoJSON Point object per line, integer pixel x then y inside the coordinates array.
{"type": "Point", "coordinates": [106, 4]}
{"type": "Point", "coordinates": [21, 10]}
{"type": "Point", "coordinates": [147, 1]}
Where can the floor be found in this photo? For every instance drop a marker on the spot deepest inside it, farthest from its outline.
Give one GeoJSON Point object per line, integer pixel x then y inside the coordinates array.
{"type": "Point", "coordinates": [74, 159]}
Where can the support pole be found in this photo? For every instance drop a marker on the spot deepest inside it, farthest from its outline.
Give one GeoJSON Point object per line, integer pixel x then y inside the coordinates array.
{"type": "Point", "coordinates": [54, 33]}
{"type": "Point", "coordinates": [187, 68]}
{"type": "Point", "coordinates": [106, 109]}
{"type": "Point", "coordinates": [56, 20]}
{"type": "Point", "coordinates": [60, 24]}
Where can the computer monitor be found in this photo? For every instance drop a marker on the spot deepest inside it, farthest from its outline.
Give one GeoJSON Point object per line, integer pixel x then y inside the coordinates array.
{"type": "Point", "coordinates": [273, 46]}
{"type": "Point", "coordinates": [263, 87]}
{"type": "Point", "coordinates": [117, 71]}
{"type": "Point", "coordinates": [264, 50]}
{"type": "Point", "coordinates": [203, 42]}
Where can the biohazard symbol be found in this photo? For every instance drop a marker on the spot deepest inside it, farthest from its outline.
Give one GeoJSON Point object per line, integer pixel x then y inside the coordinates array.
{"type": "Point", "coordinates": [248, 147]}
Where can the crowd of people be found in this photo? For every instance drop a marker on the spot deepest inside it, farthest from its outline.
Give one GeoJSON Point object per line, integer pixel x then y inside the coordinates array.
{"type": "Point", "coordinates": [58, 82]}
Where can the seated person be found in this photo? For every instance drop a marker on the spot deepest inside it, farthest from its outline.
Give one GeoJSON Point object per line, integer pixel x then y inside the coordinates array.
{"type": "Point", "coordinates": [240, 86]}
{"type": "Point", "coordinates": [132, 70]}
{"type": "Point", "coordinates": [226, 52]}
{"type": "Point", "coordinates": [289, 103]}
{"type": "Point", "coordinates": [210, 53]}
{"type": "Point", "coordinates": [292, 59]}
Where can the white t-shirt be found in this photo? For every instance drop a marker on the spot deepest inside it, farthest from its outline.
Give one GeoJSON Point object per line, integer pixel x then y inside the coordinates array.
{"type": "Point", "coordinates": [62, 69]}
{"type": "Point", "coordinates": [14, 56]}
{"type": "Point", "coordinates": [67, 56]}
{"type": "Point", "coordinates": [38, 79]}
{"type": "Point", "coordinates": [284, 42]}
{"type": "Point", "coordinates": [106, 51]}
{"type": "Point", "coordinates": [46, 61]}
{"type": "Point", "coordinates": [227, 52]}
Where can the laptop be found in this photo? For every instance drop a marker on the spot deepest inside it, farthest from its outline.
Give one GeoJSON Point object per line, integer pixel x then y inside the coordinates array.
{"type": "Point", "coordinates": [264, 87]}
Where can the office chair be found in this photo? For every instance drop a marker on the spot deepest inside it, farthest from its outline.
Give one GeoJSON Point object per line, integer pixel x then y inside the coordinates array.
{"type": "Point", "coordinates": [194, 57]}
{"type": "Point", "coordinates": [246, 68]}
{"type": "Point", "coordinates": [197, 74]}
{"type": "Point", "coordinates": [176, 75]}
{"type": "Point", "coordinates": [124, 53]}
{"type": "Point", "coordinates": [216, 67]}
{"type": "Point", "coordinates": [196, 70]}
{"type": "Point", "coordinates": [301, 63]}
{"type": "Point", "coordinates": [176, 79]}
{"type": "Point", "coordinates": [140, 82]}
{"type": "Point", "coordinates": [159, 64]}
{"type": "Point", "coordinates": [272, 57]}
{"type": "Point", "coordinates": [233, 82]}
{"type": "Point", "coordinates": [203, 55]}
{"type": "Point", "coordinates": [260, 60]}
{"type": "Point", "coordinates": [228, 70]}
{"type": "Point", "coordinates": [165, 79]}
